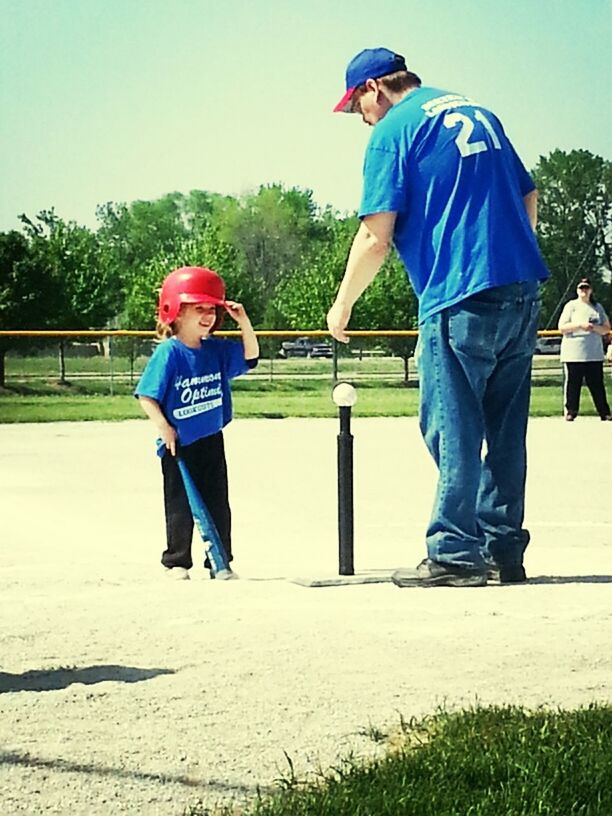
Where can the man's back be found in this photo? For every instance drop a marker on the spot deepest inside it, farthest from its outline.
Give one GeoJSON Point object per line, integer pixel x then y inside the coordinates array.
{"type": "Point", "coordinates": [445, 165]}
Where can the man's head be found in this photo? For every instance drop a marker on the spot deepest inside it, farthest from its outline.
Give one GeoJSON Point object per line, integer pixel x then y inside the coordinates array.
{"type": "Point", "coordinates": [375, 80]}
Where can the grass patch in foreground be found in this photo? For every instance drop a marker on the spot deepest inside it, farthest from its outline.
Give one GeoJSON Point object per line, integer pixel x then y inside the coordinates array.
{"type": "Point", "coordinates": [497, 761]}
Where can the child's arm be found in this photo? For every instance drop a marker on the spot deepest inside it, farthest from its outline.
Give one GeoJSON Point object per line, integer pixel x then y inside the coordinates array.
{"type": "Point", "coordinates": [155, 414]}
{"type": "Point", "coordinates": [249, 338]}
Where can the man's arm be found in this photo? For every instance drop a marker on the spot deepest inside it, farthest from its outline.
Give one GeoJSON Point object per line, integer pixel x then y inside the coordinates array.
{"type": "Point", "coordinates": [531, 205]}
{"type": "Point", "coordinates": [368, 251]}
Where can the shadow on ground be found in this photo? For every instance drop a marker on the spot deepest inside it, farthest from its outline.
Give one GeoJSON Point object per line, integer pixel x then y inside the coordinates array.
{"type": "Point", "coordinates": [535, 579]}
{"type": "Point", "coordinates": [66, 766]}
{"type": "Point", "coordinates": [571, 579]}
{"type": "Point", "coordinates": [64, 676]}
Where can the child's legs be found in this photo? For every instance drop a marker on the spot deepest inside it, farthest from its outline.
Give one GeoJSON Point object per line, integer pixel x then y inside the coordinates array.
{"type": "Point", "coordinates": [206, 462]}
{"type": "Point", "coordinates": [179, 521]}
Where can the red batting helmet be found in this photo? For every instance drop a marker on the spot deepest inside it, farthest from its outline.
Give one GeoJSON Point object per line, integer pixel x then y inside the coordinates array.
{"type": "Point", "coordinates": [191, 284]}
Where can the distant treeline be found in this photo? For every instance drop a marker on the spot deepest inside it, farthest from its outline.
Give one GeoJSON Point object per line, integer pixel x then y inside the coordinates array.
{"type": "Point", "coordinates": [279, 253]}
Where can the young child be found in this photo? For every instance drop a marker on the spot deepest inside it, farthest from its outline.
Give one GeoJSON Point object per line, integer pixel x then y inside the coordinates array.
{"type": "Point", "coordinates": [185, 391]}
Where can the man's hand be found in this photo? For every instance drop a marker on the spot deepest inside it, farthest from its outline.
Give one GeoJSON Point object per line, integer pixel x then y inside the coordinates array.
{"type": "Point", "coordinates": [337, 321]}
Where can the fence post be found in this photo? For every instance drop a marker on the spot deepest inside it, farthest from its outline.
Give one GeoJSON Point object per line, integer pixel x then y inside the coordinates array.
{"type": "Point", "coordinates": [131, 353]}
{"type": "Point", "coordinates": [110, 362]}
{"type": "Point", "coordinates": [62, 363]}
{"type": "Point", "coordinates": [334, 360]}
{"type": "Point", "coordinates": [271, 353]}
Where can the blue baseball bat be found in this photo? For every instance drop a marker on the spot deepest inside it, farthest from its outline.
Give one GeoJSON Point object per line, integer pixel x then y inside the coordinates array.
{"type": "Point", "coordinates": [205, 525]}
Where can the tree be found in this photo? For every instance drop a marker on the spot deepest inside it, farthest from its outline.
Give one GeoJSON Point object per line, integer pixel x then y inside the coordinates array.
{"type": "Point", "coordinates": [390, 303]}
{"type": "Point", "coordinates": [201, 209]}
{"type": "Point", "coordinates": [305, 296]}
{"type": "Point", "coordinates": [208, 250]}
{"type": "Point", "coordinates": [28, 293]}
{"type": "Point", "coordinates": [273, 230]}
{"type": "Point", "coordinates": [574, 216]}
{"type": "Point", "coordinates": [82, 290]}
{"type": "Point", "coordinates": [81, 268]}
{"type": "Point", "coordinates": [137, 233]}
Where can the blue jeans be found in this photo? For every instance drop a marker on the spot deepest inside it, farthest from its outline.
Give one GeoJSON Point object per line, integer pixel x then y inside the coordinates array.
{"type": "Point", "coordinates": [475, 382]}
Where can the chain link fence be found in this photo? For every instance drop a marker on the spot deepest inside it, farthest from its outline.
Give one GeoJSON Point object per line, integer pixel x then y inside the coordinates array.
{"type": "Point", "coordinates": [111, 362]}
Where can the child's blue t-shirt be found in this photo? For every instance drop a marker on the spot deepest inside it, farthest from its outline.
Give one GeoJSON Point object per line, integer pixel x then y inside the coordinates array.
{"type": "Point", "coordinates": [443, 163]}
{"type": "Point", "coordinates": [192, 386]}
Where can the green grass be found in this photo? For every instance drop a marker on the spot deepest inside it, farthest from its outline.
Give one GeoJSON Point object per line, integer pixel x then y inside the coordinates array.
{"type": "Point", "coordinates": [20, 369]}
{"type": "Point", "coordinates": [279, 399]}
{"type": "Point", "coordinates": [68, 409]}
{"type": "Point", "coordinates": [278, 388]}
{"type": "Point", "coordinates": [495, 761]}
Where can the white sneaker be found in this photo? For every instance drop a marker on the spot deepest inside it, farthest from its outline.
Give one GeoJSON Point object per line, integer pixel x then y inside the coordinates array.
{"type": "Point", "coordinates": [177, 573]}
{"type": "Point", "coordinates": [225, 575]}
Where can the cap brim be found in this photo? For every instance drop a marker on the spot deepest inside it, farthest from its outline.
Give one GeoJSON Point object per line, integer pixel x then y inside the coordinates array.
{"type": "Point", "coordinates": [344, 105]}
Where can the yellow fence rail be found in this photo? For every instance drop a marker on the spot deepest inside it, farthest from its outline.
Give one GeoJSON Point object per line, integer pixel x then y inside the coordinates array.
{"type": "Point", "coordinates": [259, 332]}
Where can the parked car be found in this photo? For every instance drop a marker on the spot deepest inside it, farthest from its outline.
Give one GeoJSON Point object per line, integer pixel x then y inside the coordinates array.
{"type": "Point", "coordinates": [300, 347]}
{"type": "Point", "coordinates": [323, 349]}
{"type": "Point", "coordinates": [305, 347]}
{"type": "Point", "coordinates": [548, 345]}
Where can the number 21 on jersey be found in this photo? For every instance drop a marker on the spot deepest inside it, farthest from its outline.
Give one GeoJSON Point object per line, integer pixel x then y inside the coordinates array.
{"type": "Point", "coordinates": [466, 129]}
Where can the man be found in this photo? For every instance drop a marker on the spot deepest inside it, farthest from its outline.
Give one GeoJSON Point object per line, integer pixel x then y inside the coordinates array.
{"type": "Point", "coordinates": [443, 183]}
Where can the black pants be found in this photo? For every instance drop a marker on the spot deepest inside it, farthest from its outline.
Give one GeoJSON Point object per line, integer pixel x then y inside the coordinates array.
{"type": "Point", "coordinates": [206, 462]}
{"type": "Point", "coordinates": [592, 374]}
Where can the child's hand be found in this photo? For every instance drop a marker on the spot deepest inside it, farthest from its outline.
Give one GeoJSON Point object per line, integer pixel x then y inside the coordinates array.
{"type": "Point", "coordinates": [249, 339]}
{"type": "Point", "coordinates": [237, 312]}
{"type": "Point", "coordinates": [168, 435]}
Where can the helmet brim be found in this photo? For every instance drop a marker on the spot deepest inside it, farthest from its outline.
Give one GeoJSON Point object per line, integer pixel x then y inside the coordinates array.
{"type": "Point", "coordinates": [202, 298]}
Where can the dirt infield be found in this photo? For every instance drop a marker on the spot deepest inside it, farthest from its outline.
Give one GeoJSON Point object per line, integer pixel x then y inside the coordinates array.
{"type": "Point", "coordinates": [124, 692]}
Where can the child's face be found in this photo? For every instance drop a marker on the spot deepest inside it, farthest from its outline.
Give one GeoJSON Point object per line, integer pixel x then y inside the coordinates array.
{"type": "Point", "coordinates": [196, 320]}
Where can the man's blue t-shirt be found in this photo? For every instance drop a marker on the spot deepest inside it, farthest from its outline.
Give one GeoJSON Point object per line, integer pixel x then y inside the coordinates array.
{"type": "Point", "coordinates": [443, 163]}
{"type": "Point", "coordinates": [192, 386]}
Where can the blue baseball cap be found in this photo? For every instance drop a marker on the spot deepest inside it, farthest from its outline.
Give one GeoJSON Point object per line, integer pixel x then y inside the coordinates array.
{"type": "Point", "coordinates": [371, 63]}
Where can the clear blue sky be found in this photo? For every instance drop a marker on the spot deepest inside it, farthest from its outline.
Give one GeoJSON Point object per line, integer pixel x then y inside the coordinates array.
{"type": "Point", "coordinates": [130, 99]}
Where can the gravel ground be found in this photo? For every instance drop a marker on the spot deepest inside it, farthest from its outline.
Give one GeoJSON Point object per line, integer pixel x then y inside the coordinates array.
{"type": "Point", "coordinates": [124, 692]}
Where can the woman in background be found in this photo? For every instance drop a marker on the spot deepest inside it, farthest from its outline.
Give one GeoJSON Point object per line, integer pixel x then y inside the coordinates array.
{"type": "Point", "coordinates": [584, 323]}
